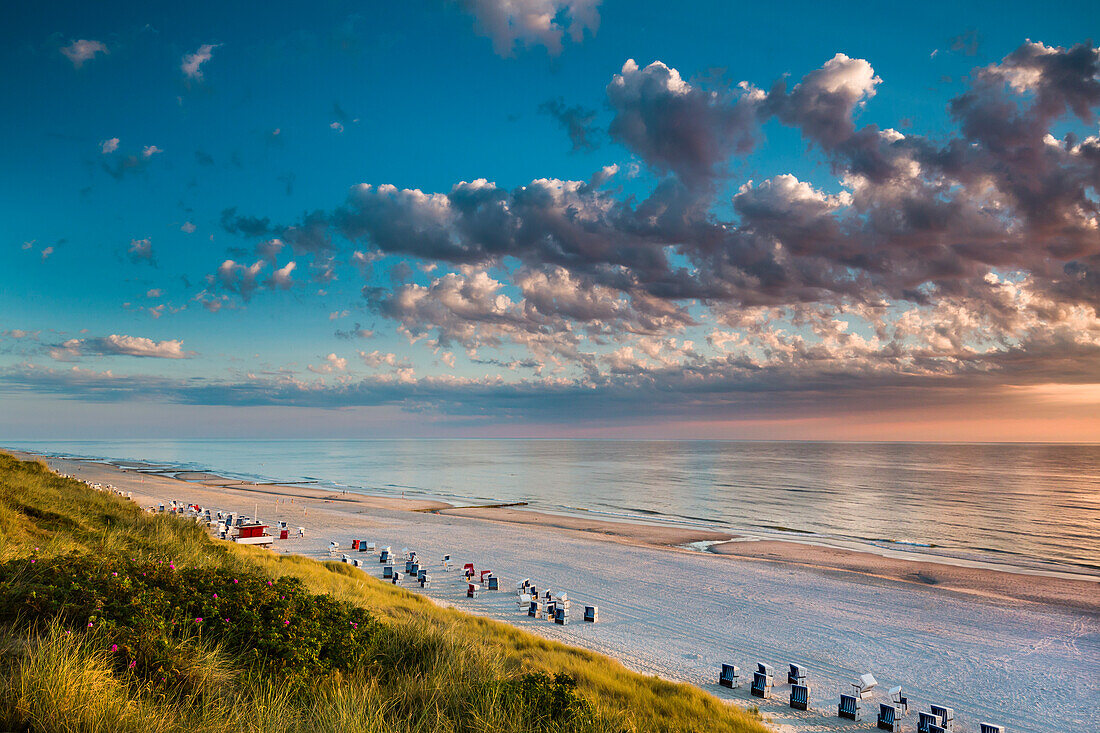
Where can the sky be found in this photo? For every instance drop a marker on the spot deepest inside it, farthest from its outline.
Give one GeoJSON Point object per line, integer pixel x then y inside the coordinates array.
{"type": "Point", "coordinates": [550, 218]}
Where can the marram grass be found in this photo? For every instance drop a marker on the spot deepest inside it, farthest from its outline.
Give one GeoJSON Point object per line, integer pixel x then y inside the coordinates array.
{"type": "Point", "coordinates": [429, 669]}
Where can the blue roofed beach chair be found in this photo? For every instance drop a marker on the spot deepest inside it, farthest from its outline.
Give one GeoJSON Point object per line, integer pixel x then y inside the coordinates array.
{"type": "Point", "coordinates": [862, 687]}
{"type": "Point", "coordinates": [796, 675]}
{"type": "Point", "coordinates": [591, 614]}
{"type": "Point", "coordinates": [899, 700]}
{"type": "Point", "coordinates": [800, 697]}
{"type": "Point", "coordinates": [889, 717]}
{"type": "Point", "coordinates": [849, 708]}
{"type": "Point", "coordinates": [494, 583]}
{"type": "Point", "coordinates": [729, 677]}
{"type": "Point", "coordinates": [991, 728]}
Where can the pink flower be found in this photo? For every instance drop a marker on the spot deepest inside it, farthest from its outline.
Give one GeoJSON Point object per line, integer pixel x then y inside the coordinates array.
{"type": "Point", "coordinates": [198, 620]}
{"type": "Point", "coordinates": [234, 581]}
{"type": "Point", "coordinates": [115, 574]}
{"type": "Point", "coordinates": [32, 562]}
{"type": "Point", "coordinates": [132, 664]}
{"type": "Point", "coordinates": [269, 582]}
{"type": "Point", "coordinates": [286, 623]}
{"type": "Point", "coordinates": [114, 647]}
{"type": "Point", "coordinates": [171, 566]}
{"type": "Point", "coordinates": [89, 624]}
{"type": "Point", "coordinates": [215, 596]}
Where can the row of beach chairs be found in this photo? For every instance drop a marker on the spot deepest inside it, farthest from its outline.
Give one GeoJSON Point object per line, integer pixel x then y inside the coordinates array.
{"type": "Point", "coordinates": [938, 719]}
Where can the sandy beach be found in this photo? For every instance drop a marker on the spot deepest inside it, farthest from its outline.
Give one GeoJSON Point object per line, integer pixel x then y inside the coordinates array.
{"type": "Point", "coordinates": [1021, 649]}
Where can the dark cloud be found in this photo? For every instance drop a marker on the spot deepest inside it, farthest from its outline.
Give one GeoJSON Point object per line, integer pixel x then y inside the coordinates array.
{"type": "Point", "coordinates": [577, 122]}
{"type": "Point", "coordinates": [675, 126]}
{"type": "Point", "coordinates": [246, 226]}
{"type": "Point", "coordinates": [966, 43]}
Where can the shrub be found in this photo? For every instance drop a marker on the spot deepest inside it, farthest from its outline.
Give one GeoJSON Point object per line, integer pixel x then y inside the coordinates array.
{"type": "Point", "coordinates": [148, 608]}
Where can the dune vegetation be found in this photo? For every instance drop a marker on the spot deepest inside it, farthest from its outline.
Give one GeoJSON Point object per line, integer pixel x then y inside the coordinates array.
{"type": "Point", "coordinates": [115, 619]}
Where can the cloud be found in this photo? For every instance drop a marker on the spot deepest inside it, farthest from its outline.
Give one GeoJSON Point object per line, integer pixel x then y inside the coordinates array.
{"type": "Point", "coordinates": [822, 104]}
{"type": "Point", "coordinates": [533, 22]}
{"type": "Point", "coordinates": [188, 227]}
{"type": "Point", "coordinates": [678, 127]}
{"type": "Point", "coordinates": [118, 345]}
{"type": "Point", "coordinates": [337, 126]}
{"type": "Point", "coordinates": [358, 332]}
{"type": "Point", "coordinates": [80, 51]}
{"type": "Point", "coordinates": [150, 150]}
{"type": "Point", "coordinates": [141, 250]}
{"type": "Point", "coordinates": [191, 66]}
{"type": "Point", "coordinates": [577, 122]}
{"type": "Point", "coordinates": [240, 278]}
{"type": "Point", "coordinates": [332, 363]}
{"type": "Point", "coordinates": [109, 146]}
{"type": "Point", "coordinates": [280, 278]}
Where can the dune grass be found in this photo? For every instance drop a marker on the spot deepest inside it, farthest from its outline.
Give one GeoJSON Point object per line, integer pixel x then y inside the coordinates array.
{"type": "Point", "coordinates": [429, 669]}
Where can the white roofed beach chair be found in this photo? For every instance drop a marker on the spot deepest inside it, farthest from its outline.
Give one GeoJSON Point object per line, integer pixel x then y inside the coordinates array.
{"type": "Point", "coordinates": [863, 686]}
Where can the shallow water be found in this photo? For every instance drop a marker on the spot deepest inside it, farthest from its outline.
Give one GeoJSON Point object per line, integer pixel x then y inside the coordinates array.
{"type": "Point", "coordinates": [1028, 505]}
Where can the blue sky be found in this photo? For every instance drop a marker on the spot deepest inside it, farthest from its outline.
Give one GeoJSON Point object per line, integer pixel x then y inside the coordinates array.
{"type": "Point", "coordinates": [780, 221]}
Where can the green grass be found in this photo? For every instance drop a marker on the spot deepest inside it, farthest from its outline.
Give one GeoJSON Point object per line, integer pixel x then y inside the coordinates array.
{"type": "Point", "coordinates": [428, 669]}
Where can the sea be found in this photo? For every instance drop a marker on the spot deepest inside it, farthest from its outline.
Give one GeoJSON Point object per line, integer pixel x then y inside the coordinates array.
{"type": "Point", "coordinates": [1034, 507]}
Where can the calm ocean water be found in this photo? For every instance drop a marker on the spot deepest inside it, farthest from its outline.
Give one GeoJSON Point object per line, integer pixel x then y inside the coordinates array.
{"type": "Point", "coordinates": [1030, 505]}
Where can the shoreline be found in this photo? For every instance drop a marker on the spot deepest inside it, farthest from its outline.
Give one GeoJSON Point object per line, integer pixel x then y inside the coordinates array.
{"type": "Point", "coordinates": [929, 572]}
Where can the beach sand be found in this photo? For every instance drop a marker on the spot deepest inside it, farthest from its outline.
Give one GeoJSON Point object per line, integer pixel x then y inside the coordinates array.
{"type": "Point", "coordinates": [1016, 648]}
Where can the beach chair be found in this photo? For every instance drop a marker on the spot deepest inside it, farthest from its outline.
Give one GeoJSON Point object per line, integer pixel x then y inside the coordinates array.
{"type": "Point", "coordinates": [800, 697]}
{"type": "Point", "coordinates": [494, 583]}
{"type": "Point", "coordinates": [363, 545]}
{"type": "Point", "coordinates": [446, 562]}
{"type": "Point", "coordinates": [414, 569]}
{"type": "Point", "coordinates": [946, 716]}
{"type": "Point", "coordinates": [371, 547]}
{"type": "Point", "coordinates": [930, 723]}
{"type": "Point", "coordinates": [849, 708]}
{"type": "Point", "coordinates": [397, 575]}
{"type": "Point", "coordinates": [889, 717]}
{"type": "Point", "coordinates": [796, 675]}
{"type": "Point", "coordinates": [591, 614]}
{"type": "Point", "coordinates": [425, 580]}
{"type": "Point", "coordinates": [355, 544]}
{"type": "Point", "coordinates": [384, 556]}
{"type": "Point", "coordinates": [863, 686]}
{"type": "Point", "coordinates": [473, 590]}
{"type": "Point", "coordinates": [301, 532]}
{"type": "Point", "coordinates": [357, 562]}
{"type": "Point", "coordinates": [730, 676]}
{"type": "Point", "coordinates": [561, 615]}
{"type": "Point", "coordinates": [468, 570]}
{"type": "Point", "coordinates": [991, 728]}
{"type": "Point", "coordinates": [899, 700]}
{"type": "Point", "coordinates": [761, 684]}
{"type": "Point", "coordinates": [387, 572]}
{"type": "Point", "coordinates": [534, 609]}
{"type": "Point", "coordinates": [523, 600]}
